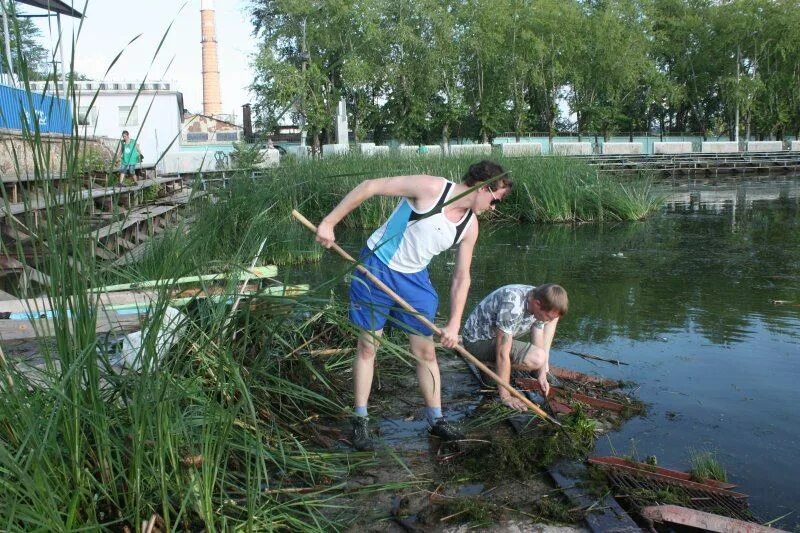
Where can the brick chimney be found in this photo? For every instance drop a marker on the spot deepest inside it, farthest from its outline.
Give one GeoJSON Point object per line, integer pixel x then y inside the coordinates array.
{"type": "Point", "coordinates": [212, 103]}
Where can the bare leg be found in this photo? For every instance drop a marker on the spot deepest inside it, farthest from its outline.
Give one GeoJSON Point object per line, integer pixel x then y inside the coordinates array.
{"type": "Point", "coordinates": [427, 369]}
{"type": "Point", "coordinates": [364, 365]}
{"type": "Point", "coordinates": [534, 360]}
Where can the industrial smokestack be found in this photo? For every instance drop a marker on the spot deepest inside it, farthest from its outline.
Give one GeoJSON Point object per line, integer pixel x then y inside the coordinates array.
{"type": "Point", "coordinates": [212, 103]}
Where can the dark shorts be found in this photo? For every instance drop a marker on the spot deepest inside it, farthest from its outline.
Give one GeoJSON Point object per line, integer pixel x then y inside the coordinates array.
{"type": "Point", "coordinates": [128, 169]}
{"type": "Point", "coordinates": [485, 351]}
{"type": "Point", "coordinates": [371, 308]}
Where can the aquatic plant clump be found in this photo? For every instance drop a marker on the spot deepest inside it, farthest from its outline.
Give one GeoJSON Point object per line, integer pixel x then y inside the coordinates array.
{"type": "Point", "coordinates": [706, 466]}
{"type": "Point", "coordinates": [502, 456]}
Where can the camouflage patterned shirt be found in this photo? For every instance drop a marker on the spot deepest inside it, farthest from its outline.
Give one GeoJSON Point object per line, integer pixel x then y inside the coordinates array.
{"type": "Point", "coordinates": [505, 308]}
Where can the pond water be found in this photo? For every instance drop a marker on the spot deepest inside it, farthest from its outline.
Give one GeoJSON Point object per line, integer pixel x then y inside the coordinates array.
{"type": "Point", "coordinates": [703, 304]}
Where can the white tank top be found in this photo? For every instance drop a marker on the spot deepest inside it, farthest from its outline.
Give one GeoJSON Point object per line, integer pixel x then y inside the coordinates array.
{"type": "Point", "coordinates": [409, 239]}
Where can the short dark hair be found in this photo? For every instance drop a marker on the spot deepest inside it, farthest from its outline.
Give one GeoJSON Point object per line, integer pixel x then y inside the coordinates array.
{"type": "Point", "coordinates": [552, 297]}
{"type": "Point", "coordinates": [126, 131]}
{"type": "Point", "coordinates": [485, 171]}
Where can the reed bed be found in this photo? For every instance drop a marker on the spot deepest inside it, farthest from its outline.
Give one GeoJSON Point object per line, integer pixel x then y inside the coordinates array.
{"type": "Point", "coordinates": [547, 189]}
{"type": "Point", "coordinates": [237, 219]}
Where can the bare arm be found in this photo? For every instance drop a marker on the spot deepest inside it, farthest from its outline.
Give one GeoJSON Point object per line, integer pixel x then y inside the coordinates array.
{"type": "Point", "coordinates": [503, 343]}
{"type": "Point", "coordinates": [412, 187]}
{"type": "Point", "coordinates": [543, 339]}
{"type": "Point", "coordinates": [459, 288]}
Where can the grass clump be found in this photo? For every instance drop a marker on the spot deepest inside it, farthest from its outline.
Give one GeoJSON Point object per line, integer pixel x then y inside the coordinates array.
{"type": "Point", "coordinates": [705, 466]}
{"type": "Point", "coordinates": [505, 457]}
{"type": "Point", "coordinates": [475, 511]}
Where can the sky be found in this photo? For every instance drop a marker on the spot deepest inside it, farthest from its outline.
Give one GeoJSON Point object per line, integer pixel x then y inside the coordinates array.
{"type": "Point", "coordinates": [109, 25]}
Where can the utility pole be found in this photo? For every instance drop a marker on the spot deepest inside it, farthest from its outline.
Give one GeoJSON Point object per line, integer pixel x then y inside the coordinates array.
{"type": "Point", "coordinates": [7, 36]}
{"type": "Point", "coordinates": [304, 58]}
{"type": "Point", "coordinates": [736, 126]}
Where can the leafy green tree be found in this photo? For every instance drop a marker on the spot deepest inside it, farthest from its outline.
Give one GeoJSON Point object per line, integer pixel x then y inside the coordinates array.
{"type": "Point", "coordinates": [29, 58]}
{"type": "Point", "coordinates": [483, 30]}
{"type": "Point", "coordinates": [612, 60]}
{"type": "Point", "coordinates": [685, 50]}
{"type": "Point", "coordinates": [552, 28]}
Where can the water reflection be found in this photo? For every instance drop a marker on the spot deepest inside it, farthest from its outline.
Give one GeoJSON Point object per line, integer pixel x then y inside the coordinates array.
{"type": "Point", "coordinates": [691, 267]}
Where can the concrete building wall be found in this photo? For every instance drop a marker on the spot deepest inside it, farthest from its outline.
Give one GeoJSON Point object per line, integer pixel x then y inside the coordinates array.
{"type": "Point", "coordinates": [572, 148]}
{"type": "Point", "coordinates": [622, 148]}
{"type": "Point", "coordinates": [720, 147]}
{"type": "Point", "coordinates": [429, 149]}
{"type": "Point", "coordinates": [470, 149]}
{"type": "Point", "coordinates": [334, 149]}
{"type": "Point", "coordinates": [672, 147]}
{"type": "Point", "coordinates": [154, 130]}
{"type": "Point", "coordinates": [371, 149]}
{"type": "Point", "coordinates": [520, 149]}
{"type": "Point", "coordinates": [199, 130]}
{"type": "Point", "coordinates": [764, 146]}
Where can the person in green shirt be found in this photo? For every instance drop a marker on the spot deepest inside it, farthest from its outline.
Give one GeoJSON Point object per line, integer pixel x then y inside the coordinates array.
{"type": "Point", "coordinates": [131, 156]}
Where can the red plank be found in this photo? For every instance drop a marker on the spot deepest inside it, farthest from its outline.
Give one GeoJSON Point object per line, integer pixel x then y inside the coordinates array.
{"type": "Point", "coordinates": [676, 514]}
{"type": "Point", "coordinates": [663, 471]}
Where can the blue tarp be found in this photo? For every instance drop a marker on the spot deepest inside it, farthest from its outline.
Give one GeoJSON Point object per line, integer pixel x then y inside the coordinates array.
{"type": "Point", "coordinates": [19, 110]}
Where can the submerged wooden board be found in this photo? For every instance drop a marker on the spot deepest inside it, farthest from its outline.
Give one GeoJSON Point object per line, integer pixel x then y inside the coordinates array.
{"type": "Point", "coordinates": [15, 330]}
{"type": "Point", "coordinates": [605, 514]}
{"type": "Point", "coordinates": [124, 315]}
{"type": "Point", "coordinates": [675, 514]}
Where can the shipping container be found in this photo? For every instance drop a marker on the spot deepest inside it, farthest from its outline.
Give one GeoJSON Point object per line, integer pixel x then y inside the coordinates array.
{"type": "Point", "coordinates": [19, 110]}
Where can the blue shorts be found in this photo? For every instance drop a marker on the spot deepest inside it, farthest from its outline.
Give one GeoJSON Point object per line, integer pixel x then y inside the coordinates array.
{"type": "Point", "coordinates": [370, 307]}
{"type": "Point", "coordinates": [128, 169]}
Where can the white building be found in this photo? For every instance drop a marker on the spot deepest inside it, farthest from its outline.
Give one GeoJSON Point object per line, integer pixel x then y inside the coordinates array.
{"type": "Point", "coordinates": [152, 115]}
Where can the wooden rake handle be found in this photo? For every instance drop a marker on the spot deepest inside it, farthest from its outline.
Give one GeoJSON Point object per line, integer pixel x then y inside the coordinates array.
{"type": "Point", "coordinates": [405, 305]}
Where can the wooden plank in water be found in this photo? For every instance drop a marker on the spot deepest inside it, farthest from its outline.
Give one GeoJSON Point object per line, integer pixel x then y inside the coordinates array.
{"type": "Point", "coordinates": [562, 395]}
{"type": "Point", "coordinates": [610, 460]}
{"type": "Point", "coordinates": [15, 330]}
{"type": "Point", "coordinates": [602, 462]}
{"type": "Point", "coordinates": [675, 514]}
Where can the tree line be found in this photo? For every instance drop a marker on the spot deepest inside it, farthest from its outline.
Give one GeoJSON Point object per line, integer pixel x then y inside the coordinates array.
{"type": "Point", "coordinates": [423, 71]}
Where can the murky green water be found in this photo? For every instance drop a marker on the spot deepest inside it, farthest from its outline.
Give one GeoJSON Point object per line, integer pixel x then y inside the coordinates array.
{"type": "Point", "coordinates": [702, 302]}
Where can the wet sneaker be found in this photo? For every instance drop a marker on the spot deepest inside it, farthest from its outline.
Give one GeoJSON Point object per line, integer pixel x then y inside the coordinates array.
{"type": "Point", "coordinates": [445, 430]}
{"type": "Point", "coordinates": [362, 441]}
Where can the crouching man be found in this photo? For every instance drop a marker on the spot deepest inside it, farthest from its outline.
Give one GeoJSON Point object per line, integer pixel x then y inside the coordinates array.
{"type": "Point", "coordinates": [509, 312]}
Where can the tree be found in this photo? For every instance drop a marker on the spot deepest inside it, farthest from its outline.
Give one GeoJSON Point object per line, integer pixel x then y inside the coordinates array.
{"type": "Point", "coordinates": [611, 61]}
{"type": "Point", "coordinates": [483, 26]}
{"type": "Point", "coordinates": [302, 47]}
{"type": "Point", "coordinates": [29, 58]}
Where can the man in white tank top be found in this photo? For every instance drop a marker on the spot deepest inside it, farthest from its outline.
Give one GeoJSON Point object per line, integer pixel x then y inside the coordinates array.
{"type": "Point", "coordinates": [433, 215]}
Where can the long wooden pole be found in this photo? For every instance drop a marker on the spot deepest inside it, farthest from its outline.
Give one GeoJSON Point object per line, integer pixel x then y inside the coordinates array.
{"type": "Point", "coordinates": [405, 305]}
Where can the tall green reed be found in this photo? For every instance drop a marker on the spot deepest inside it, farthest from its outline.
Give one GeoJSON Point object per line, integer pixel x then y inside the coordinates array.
{"type": "Point", "coordinates": [204, 435]}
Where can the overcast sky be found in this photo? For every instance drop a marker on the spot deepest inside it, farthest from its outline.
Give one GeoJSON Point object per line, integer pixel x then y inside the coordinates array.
{"type": "Point", "coordinates": [110, 24]}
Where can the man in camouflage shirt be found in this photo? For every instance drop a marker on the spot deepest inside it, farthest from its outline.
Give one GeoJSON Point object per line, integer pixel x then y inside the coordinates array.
{"type": "Point", "coordinates": [509, 312]}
